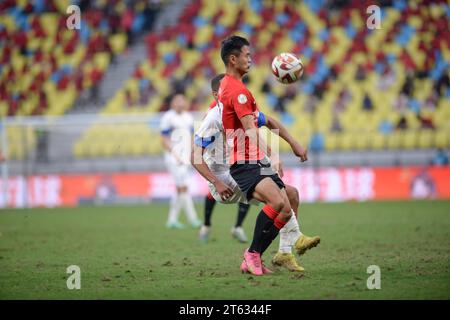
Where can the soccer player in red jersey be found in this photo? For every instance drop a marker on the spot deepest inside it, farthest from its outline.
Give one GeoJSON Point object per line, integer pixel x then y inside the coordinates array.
{"type": "Point", "coordinates": [237, 231]}
{"type": "Point", "coordinates": [249, 155]}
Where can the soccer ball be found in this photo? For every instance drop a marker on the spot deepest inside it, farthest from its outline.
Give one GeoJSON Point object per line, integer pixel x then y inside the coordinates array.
{"type": "Point", "coordinates": [287, 68]}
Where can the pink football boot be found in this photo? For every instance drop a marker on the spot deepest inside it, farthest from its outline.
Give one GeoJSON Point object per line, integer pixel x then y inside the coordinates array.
{"type": "Point", "coordinates": [253, 262]}
{"type": "Point", "coordinates": [244, 268]}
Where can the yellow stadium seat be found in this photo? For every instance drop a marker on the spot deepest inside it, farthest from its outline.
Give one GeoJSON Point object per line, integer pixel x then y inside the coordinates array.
{"type": "Point", "coordinates": [62, 5]}
{"type": "Point", "coordinates": [425, 139]}
{"type": "Point", "coordinates": [16, 152]}
{"type": "Point", "coordinates": [409, 139]}
{"type": "Point", "coordinates": [49, 22]}
{"type": "Point", "coordinates": [118, 42]}
{"type": "Point", "coordinates": [3, 108]}
{"type": "Point", "coordinates": [346, 141]}
{"type": "Point", "coordinates": [134, 148]}
{"type": "Point", "coordinates": [101, 60]}
{"type": "Point", "coordinates": [359, 128]}
{"type": "Point", "coordinates": [9, 22]}
{"type": "Point", "coordinates": [442, 139]}
{"type": "Point", "coordinates": [203, 35]}
{"type": "Point", "coordinates": [361, 141]}
{"type": "Point", "coordinates": [79, 149]}
{"type": "Point", "coordinates": [377, 141]}
{"type": "Point", "coordinates": [331, 142]}
{"type": "Point", "coordinates": [394, 140]}
{"type": "Point", "coordinates": [155, 148]}
{"type": "Point", "coordinates": [229, 14]}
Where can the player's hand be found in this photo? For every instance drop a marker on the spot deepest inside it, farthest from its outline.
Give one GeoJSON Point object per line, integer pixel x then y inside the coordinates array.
{"type": "Point", "coordinates": [224, 191]}
{"type": "Point", "coordinates": [300, 152]}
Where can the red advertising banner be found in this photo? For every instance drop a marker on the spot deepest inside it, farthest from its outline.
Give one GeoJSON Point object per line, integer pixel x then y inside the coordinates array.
{"type": "Point", "coordinates": [324, 184]}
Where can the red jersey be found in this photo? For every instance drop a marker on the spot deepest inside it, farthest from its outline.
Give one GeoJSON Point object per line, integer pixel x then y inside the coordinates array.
{"type": "Point", "coordinates": [238, 102]}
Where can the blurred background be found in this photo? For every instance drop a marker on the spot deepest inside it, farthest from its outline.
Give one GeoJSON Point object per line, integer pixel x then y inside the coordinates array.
{"type": "Point", "coordinates": [80, 108]}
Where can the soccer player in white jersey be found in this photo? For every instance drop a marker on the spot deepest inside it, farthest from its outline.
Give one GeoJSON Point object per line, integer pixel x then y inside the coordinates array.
{"type": "Point", "coordinates": [176, 132]}
{"type": "Point", "coordinates": [209, 159]}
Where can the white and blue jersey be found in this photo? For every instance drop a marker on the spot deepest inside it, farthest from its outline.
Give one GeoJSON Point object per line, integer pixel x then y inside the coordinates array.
{"type": "Point", "coordinates": [210, 136]}
{"type": "Point", "coordinates": [178, 127]}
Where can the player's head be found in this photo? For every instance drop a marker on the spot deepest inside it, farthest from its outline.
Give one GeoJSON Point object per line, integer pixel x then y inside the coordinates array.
{"type": "Point", "coordinates": [215, 84]}
{"type": "Point", "coordinates": [235, 53]}
{"type": "Point", "coordinates": [178, 103]}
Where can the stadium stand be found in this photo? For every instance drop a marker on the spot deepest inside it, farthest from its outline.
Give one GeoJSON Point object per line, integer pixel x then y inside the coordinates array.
{"type": "Point", "coordinates": [361, 87]}
{"type": "Point", "coordinates": [382, 89]}
{"type": "Point", "coordinates": [45, 67]}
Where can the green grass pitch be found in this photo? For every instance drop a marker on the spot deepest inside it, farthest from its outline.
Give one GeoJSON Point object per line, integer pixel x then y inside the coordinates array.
{"type": "Point", "coordinates": [127, 253]}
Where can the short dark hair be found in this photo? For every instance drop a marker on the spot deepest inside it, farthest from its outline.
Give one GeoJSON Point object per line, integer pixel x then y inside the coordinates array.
{"type": "Point", "coordinates": [232, 45]}
{"type": "Point", "coordinates": [215, 82]}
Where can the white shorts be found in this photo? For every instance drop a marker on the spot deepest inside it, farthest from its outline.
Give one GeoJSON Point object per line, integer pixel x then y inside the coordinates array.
{"type": "Point", "coordinates": [237, 196]}
{"type": "Point", "coordinates": [179, 172]}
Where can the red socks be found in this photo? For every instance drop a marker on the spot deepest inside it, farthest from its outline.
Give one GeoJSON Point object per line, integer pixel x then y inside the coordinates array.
{"type": "Point", "coordinates": [273, 215]}
{"type": "Point", "coordinates": [270, 212]}
{"type": "Point", "coordinates": [278, 223]}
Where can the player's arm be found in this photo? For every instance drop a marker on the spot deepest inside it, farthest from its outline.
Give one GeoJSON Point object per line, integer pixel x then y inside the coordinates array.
{"type": "Point", "coordinates": [204, 137]}
{"type": "Point", "coordinates": [167, 145]}
{"type": "Point", "coordinates": [297, 149]}
{"type": "Point", "coordinates": [199, 164]}
{"type": "Point", "coordinates": [166, 132]}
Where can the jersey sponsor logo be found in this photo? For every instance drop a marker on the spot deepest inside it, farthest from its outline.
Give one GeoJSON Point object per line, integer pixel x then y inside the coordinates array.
{"type": "Point", "coordinates": [242, 98]}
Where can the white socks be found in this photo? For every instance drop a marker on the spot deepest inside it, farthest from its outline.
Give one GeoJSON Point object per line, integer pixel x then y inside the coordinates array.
{"type": "Point", "coordinates": [289, 235]}
{"type": "Point", "coordinates": [188, 205]}
{"type": "Point", "coordinates": [294, 228]}
{"type": "Point", "coordinates": [175, 206]}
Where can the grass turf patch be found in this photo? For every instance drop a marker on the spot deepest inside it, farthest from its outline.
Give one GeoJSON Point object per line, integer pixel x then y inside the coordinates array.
{"type": "Point", "coordinates": [127, 253]}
